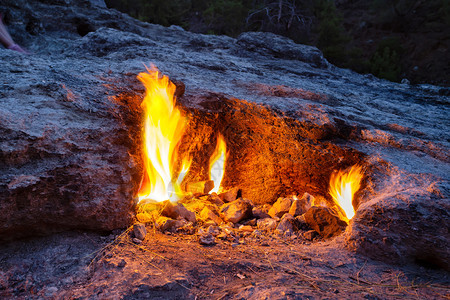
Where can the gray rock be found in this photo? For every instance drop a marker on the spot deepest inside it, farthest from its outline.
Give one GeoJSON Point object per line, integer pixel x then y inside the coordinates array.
{"type": "Point", "coordinates": [207, 239]}
{"type": "Point", "coordinates": [139, 231]}
{"type": "Point", "coordinates": [407, 223]}
{"type": "Point", "coordinates": [137, 241]}
{"type": "Point", "coordinates": [282, 47]}
{"type": "Point", "coordinates": [286, 223]}
{"type": "Point", "coordinates": [236, 211]}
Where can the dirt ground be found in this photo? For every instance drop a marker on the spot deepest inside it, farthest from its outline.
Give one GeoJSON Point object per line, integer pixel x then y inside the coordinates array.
{"type": "Point", "coordinates": [81, 265]}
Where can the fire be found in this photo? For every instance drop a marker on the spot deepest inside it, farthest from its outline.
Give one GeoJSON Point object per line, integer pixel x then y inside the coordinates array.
{"type": "Point", "coordinates": [343, 185]}
{"type": "Point", "coordinates": [164, 126]}
{"type": "Point", "coordinates": [217, 163]}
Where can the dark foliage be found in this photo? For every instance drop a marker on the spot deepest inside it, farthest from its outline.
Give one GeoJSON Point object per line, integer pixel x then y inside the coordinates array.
{"type": "Point", "coordinates": [316, 22]}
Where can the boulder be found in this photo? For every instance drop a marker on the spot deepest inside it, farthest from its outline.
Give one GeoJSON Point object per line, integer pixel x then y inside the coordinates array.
{"type": "Point", "coordinates": [139, 231]}
{"type": "Point", "coordinates": [230, 195]}
{"type": "Point", "coordinates": [208, 214]}
{"type": "Point", "coordinates": [266, 224]}
{"type": "Point", "coordinates": [280, 207]}
{"type": "Point", "coordinates": [405, 223]}
{"type": "Point", "coordinates": [287, 222]}
{"type": "Point", "coordinates": [322, 220]}
{"type": "Point", "coordinates": [178, 211]}
{"type": "Point", "coordinates": [168, 224]}
{"type": "Point", "coordinates": [261, 212]}
{"type": "Point", "coordinates": [236, 211]}
{"type": "Point", "coordinates": [300, 206]}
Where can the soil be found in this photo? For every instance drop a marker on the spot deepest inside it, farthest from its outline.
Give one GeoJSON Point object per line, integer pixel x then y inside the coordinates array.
{"type": "Point", "coordinates": [80, 265]}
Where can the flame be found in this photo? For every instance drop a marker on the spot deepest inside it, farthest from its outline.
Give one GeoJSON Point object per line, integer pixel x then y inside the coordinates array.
{"type": "Point", "coordinates": [217, 163]}
{"type": "Point", "coordinates": [164, 126]}
{"type": "Point", "coordinates": [343, 186]}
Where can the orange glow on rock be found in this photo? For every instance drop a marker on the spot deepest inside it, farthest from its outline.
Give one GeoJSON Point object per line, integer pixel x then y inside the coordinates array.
{"type": "Point", "coordinates": [343, 186]}
{"type": "Point", "coordinates": [164, 126]}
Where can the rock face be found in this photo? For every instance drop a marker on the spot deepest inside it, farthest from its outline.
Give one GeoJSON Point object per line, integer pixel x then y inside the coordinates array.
{"type": "Point", "coordinates": [70, 125]}
{"type": "Point", "coordinates": [407, 223]}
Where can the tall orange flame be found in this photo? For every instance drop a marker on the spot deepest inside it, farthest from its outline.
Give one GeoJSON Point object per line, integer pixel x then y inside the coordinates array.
{"type": "Point", "coordinates": [217, 163]}
{"type": "Point", "coordinates": [164, 126]}
{"type": "Point", "coordinates": [343, 185]}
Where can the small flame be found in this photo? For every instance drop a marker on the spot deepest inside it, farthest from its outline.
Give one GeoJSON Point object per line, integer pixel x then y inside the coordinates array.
{"type": "Point", "coordinates": [343, 186]}
{"type": "Point", "coordinates": [164, 126]}
{"type": "Point", "coordinates": [217, 163]}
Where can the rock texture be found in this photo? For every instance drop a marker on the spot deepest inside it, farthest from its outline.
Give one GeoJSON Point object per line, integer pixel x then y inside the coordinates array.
{"type": "Point", "coordinates": [323, 221]}
{"type": "Point", "coordinates": [69, 122]}
{"type": "Point", "coordinates": [408, 221]}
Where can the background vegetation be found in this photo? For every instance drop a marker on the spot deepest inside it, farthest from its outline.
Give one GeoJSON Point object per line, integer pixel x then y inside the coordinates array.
{"type": "Point", "coordinates": [315, 22]}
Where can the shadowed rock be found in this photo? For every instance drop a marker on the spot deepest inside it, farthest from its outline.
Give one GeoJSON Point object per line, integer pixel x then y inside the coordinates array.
{"type": "Point", "coordinates": [322, 220]}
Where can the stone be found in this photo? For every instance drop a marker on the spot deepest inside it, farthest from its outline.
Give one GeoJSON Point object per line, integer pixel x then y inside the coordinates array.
{"type": "Point", "coordinates": [145, 217]}
{"type": "Point", "coordinates": [167, 224]}
{"type": "Point", "coordinates": [214, 230]}
{"type": "Point", "coordinates": [230, 195]}
{"type": "Point", "coordinates": [208, 214]}
{"type": "Point", "coordinates": [404, 225]}
{"type": "Point", "coordinates": [261, 212]}
{"type": "Point", "coordinates": [178, 211]}
{"type": "Point", "coordinates": [266, 224]}
{"type": "Point", "coordinates": [245, 228]}
{"type": "Point", "coordinates": [301, 224]}
{"type": "Point", "coordinates": [122, 263]}
{"type": "Point", "coordinates": [310, 235]}
{"type": "Point", "coordinates": [300, 206]}
{"type": "Point", "coordinates": [250, 222]}
{"type": "Point", "coordinates": [257, 233]}
{"type": "Point", "coordinates": [207, 239]}
{"type": "Point", "coordinates": [280, 207]}
{"type": "Point", "coordinates": [215, 199]}
{"type": "Point", "coordinates": [269, 43]}
{"type": "Point", "coordinates": [286, 223]}
{"type": "Point", "coordinates": [137, 241]}
{"type": "Point", "coordinates": [139, 231]}
{"type": "Point", "coordinates": [199, 188]}
{"type": "Point", "coordinates": [236, 210]}
{"type": "Point", "coordinates": [322, 220]}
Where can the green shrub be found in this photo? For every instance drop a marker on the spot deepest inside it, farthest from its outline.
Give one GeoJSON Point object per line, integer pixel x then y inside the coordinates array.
{"type": "Point", "coordinates": [332, 38]}
{"type": "Point", "coordinates": [386, 63]}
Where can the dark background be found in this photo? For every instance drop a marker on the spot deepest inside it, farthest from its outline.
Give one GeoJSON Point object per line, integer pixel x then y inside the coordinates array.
{"type": "Point", "coordinates": [392, 39]}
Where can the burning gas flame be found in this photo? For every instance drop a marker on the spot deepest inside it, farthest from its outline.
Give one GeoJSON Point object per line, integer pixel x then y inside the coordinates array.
{"type": "Point", "coordinates": [343, 185]}
{"type": "Point", "coordinates": [217, 163]}
{"type": "Point", "coordinates": [164, 126]}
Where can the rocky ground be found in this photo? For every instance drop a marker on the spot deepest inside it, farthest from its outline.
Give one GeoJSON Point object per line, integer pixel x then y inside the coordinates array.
{"type": "Point", "coordinates": [83, 265]}
{"type": "Point", "coordinates": [69, 162]}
